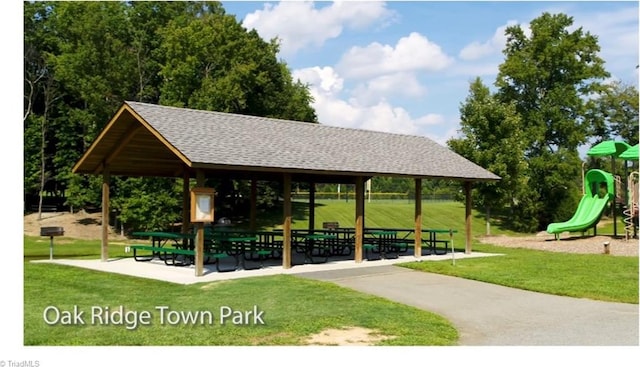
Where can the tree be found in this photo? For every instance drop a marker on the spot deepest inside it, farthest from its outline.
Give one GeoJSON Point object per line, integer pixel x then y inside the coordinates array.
{"type": "Point", "coordinates": [213, 63]}
{"type": "Point", "coordinates": [550, 77]}
{"type": "Point", "coordinates": [615, 113]}
{"type": "Point", "coordinates": [492, 137]}
{"type": "Point", "coordinates": [147, 203]}
{"type": "Point", "coordinates": [42, 93]}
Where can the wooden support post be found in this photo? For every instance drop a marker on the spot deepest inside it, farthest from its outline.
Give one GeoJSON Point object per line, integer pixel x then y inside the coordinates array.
{"type": "Point", "coordinates": [186, 204]}
{"type": "Point", "coordinates": [615, 197]}
{"type": "Point", "coordinates": [254, 205]}
{"type": "Point", "coordinates": [199, 248]}
{"type": "Point", "coordinates": [286, 225]}
{"type": "Point", "coordinates": [106, 177]}
{"type": "Point", "coordinates": [359, 219]}
{"type": "Point", "coordinates": [467, 211]}
{"type": "Point", "coordinates": [417, 244]}
{"type": "Point", "coordinates": [487, 219]}
{"type": "Point", "coordinates": [312, 206]}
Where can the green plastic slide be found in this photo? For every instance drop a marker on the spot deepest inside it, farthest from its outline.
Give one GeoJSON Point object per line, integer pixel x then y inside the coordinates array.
{"type": "Point", "coordinates": [598, 192]}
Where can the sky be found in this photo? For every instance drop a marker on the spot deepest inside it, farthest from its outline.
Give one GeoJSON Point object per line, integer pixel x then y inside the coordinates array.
{"type": "Point", "coordinates": [405, 67]}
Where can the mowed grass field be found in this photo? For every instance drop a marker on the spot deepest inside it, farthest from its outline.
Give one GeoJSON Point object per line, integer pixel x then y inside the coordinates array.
{"type": "Point", "coordinates": [397, 214]}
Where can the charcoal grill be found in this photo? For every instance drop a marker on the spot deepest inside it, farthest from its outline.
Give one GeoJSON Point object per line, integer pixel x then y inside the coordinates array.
{"type": "Point", "coordinates": [51, 232]}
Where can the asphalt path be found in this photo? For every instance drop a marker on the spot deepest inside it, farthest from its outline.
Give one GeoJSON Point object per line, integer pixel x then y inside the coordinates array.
{"type": "Point", "coordinates": [492, 315]}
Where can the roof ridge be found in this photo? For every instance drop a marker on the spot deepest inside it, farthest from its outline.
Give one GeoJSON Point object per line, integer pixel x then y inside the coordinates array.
{"type": "Point", "coordinates": [281, 120]}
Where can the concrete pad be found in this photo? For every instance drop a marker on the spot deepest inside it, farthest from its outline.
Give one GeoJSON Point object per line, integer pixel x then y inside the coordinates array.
{"type": "Point", "coordinates": [158, 270]}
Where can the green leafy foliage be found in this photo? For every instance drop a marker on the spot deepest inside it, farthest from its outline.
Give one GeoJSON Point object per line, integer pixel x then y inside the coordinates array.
{"type": "Point", "coordinates": [83, 59]}
{"type": "Point", "coordinates": [493, 138]}
{"type": "Point", "coordinates": [615, 113]}
{"type": "Point", "coordinates": [213, 63]}
{"type": "Point", "coordinates": [529, 131]}
{"type": "Point", "coordinates": [147, 203]}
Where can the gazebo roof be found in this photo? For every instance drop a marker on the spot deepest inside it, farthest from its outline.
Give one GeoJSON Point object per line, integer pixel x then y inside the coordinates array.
{"type": "Point", "coordinates": [151, 140]}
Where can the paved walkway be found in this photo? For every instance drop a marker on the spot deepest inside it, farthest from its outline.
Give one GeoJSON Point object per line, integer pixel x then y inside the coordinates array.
{"type": "Point", "coordinates": [487, 314]}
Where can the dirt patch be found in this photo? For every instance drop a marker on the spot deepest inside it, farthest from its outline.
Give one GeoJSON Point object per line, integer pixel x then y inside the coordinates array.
{"type": "Point", "coordinates": [80, 225]}
{"type": "Point", "coordinates": [347, 336]}
{"type": "Point", "coordinates": [567, 243]}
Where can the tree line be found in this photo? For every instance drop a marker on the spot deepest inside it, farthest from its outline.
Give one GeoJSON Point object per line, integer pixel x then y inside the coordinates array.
{"type": "Point", "coordinates": [83, 59]}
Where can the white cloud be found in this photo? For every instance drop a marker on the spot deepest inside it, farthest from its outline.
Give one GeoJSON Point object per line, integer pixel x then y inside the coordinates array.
{"type": "Point", "coordinates": [444, 137]}
{"type": "Point", "coordinates": [325, 85]}
{"type": "Point", "coordinates": [400, 84]}
{"type": "Point", "coordinates": [494, 45]}
{"type": "Point", "coordinates": [617, 33]}
{"type": "Point", "coordinates": [299, 24]}
{"type": "Point", "coordinates": [412, 53]}
{"type": "Point", "coordinates": [323, 79]}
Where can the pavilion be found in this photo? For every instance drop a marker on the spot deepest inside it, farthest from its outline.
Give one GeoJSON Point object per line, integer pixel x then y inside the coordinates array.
{"type": "Point", "coordinates": [150, 140]}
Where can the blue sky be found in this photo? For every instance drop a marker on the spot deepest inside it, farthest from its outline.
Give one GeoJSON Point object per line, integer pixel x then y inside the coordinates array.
{"type": "Point", "coordinates": [405, 67]}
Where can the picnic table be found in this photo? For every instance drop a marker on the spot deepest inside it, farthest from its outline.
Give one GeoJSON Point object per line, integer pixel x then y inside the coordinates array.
{"type": "Point", "coordinates": [231, 244]}
{"type": "Point", "coordinates": [180, 253]}
{"type": "Point", "coordinates": [160, 239]}
{"type": "Point", "coordinates": [314, 241]}
{"type": "Point", "coordinates": [433, 240]}
{"type": "Point", "coordinates": [381, 241]}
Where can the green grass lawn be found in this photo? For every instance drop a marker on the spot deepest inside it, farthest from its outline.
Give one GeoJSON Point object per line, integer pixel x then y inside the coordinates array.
{"type": "Point", "coordinates": [295, 308]}
{"type": "Point", "coordinates": [391, 214]}
{"type": "Point", "coordinates": [594, 276]}
{"type": "Point", "coordinates": [292, 309]}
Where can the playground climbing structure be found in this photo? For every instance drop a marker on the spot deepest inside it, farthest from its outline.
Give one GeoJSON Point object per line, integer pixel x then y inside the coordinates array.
{"type": "Point", "coordinates": [630, 211]}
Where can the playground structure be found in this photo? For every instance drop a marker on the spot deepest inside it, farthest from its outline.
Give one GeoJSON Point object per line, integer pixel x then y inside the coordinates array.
{"type": "Point", "coordinates": [630, 211]}
{"type": "Point", "coordinates": [599, 190]}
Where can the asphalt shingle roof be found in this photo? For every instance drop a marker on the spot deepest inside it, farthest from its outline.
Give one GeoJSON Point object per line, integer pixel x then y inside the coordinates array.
{"type": "Point", "coordinates": [208, 137]}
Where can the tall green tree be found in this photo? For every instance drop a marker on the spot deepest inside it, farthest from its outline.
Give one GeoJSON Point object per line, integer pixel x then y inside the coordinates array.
{"type": "Point", "coordinates": [492, 137]}
{"type": "Point", "coordinates": [213, 63]}
{"type": "Point", "coordinates": [550, 75]}
{"type": "Point", "coordinates": [41, 99]}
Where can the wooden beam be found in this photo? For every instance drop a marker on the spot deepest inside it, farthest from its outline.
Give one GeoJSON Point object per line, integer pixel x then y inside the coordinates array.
{"type": "Point", "coordinates": [199, 260]}
{"type": "Point", "coordinates": [186, 201]}
{"type": "Point", "coordinates": [312, 206]}
{"type": "Point", "coordinates": [417, 243]}
{"type": "Point", "coordinates": [104, 253]}
{"type": "Point", "coordinates": [359, 219]}
{"type": "Point", "coordinates": [615, 199]}
{"type": "Point", "coordinates": [467, 211]}
{"type": "Point", "coordinates": [128, 135]}
{"type": "Point", "coordinates": [253, 225]}
{"type": "Point", "coordinates": [286, 225]}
